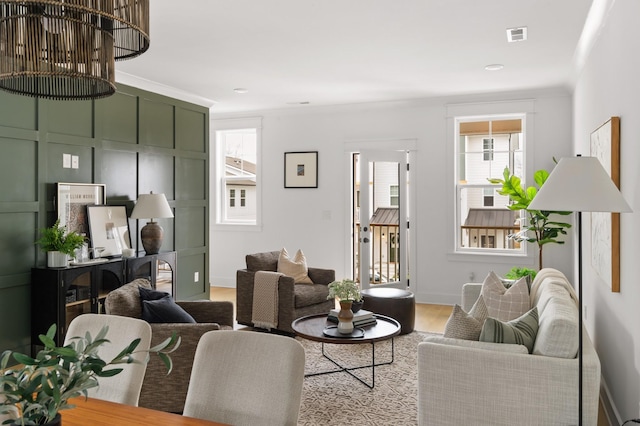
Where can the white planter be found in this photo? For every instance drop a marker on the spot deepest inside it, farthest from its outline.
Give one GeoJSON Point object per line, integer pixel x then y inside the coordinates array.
{"type": "Point", "coordinates": [56, 259]}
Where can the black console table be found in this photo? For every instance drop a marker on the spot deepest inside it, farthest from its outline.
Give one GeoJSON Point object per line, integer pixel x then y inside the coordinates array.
{"type": "Point", "coordinates": [60, 294]}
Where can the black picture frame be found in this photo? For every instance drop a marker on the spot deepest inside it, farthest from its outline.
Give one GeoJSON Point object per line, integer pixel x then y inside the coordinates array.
{"type": "Point", "coordinates": [301, 169]}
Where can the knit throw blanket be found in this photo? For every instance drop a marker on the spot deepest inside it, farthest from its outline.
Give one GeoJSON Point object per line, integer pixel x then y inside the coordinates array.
{"type": "Point", "coordinates": [265, 299]}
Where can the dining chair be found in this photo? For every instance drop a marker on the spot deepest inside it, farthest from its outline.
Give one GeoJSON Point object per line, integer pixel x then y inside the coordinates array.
{"type": "Point", "coordinates": [246, 378]}
{"type": "Point", "coordinates": [124, 387]}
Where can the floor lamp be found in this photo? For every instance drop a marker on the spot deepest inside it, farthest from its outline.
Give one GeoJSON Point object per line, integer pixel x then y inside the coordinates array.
{"type": "Point", "coordinates": [579, 184]}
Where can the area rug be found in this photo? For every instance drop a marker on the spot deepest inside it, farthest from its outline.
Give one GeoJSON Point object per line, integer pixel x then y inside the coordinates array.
{"type": "Point", "coordinates": [339, 399]}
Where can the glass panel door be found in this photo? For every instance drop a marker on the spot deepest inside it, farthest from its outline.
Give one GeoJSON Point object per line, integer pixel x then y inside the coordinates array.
{"type": "Point", "coordinates": [380, 218]}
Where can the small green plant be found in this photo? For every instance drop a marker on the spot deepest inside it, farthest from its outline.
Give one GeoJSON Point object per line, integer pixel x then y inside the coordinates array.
{"type": "Point", "coordinates": [345, 290]}
{"type": "Point", "coordinates": [56, 238]}
{"type": "Point", "coordinates": [540, 229]}
{"type": "Point", "coordinates": [34, 391]}
{"type": "Point", "coordinates": [518, 272]}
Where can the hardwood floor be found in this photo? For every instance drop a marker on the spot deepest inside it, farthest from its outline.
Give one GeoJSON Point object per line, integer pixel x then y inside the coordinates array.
{"type": "Point", "coordinates": [430, 318]}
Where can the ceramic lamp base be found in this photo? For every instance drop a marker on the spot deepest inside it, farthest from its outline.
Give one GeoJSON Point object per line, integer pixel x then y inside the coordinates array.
{"type": "Point", "coordinates": [151, 235]}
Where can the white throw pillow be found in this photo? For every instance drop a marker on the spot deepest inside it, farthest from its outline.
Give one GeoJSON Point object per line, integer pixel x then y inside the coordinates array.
{"type": "Point", "coordinates": [296, 267]}
{"type": "Point", "coordinates": [467, 326]}
{"type": "Point", "coordinates": [502, 303]}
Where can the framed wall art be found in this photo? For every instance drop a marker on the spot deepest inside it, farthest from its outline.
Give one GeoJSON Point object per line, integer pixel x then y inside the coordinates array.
{"type": "Point", "coordinates": [301, 169]}
{"type": "Point", "coordinates": [605, 227]}
{"type": "Point", "coordinates": [72, 200]}
{"type": "Point", "coordinates": [109, 229]}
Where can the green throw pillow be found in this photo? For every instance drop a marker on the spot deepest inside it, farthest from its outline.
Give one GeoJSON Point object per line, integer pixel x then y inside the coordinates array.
{"type": "Point", "coordinates": [520, 331]}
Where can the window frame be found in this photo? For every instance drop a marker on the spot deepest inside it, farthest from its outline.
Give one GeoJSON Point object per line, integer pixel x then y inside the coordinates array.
{"type": "Point", "coordinates": [459, 186]}
{"type": "Point", "coordinates": [220, 195]}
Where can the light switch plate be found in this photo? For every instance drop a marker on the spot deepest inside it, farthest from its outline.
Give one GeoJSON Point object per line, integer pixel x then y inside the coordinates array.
{"type": "Point", "coordinates": [66, 161]}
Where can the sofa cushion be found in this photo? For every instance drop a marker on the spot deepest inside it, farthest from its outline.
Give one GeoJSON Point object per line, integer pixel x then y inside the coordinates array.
{"type": "Point", "coordinates": [520, 331]}
{"type": "Point", "coordinates": [295, 268]}
{"type": "Point", "coordinates": [502, 303]}
{"type": "Point", "coordinates": [467, 326]}
{"type": "Point", "coordinates": [558, 329]}
{"type": "Point", "coordinates": [125, 300]}
{"type": "Point", "coordinates": [164, 310]}
{"type": "Point", "coordinates": [267, 261]}
{"type": "Point", "coordinates": [489, 346]}
{"type": "Point", "coordinates": [307, 295]}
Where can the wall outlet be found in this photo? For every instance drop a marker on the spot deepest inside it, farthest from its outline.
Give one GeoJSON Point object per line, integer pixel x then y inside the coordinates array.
{"type": "Point", "coordinates": [196, 277]}
{"type": "Point", "coordinates": [75, 161]}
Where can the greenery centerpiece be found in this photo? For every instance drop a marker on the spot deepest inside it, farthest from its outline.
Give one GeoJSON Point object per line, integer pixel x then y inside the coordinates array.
{"type": "Point", "coordinates": [57, 239]}
{"type": "Point", "coordinates": [34, 391]}
{"type": "Point", "coordinates": [540, 229]}
{"type": "Point", "coordinates": [346, 291]}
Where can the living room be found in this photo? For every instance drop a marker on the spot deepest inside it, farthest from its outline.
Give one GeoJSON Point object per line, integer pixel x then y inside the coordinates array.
{"type": "Point", "coordinates": [563, 117]}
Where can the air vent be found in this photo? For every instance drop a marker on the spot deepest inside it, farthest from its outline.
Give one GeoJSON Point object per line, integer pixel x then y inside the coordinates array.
{"type": "Point", "coordinates": [516, 34]}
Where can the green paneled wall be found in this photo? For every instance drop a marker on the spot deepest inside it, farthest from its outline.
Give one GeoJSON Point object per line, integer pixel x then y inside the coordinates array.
{"type": "Point", "coordinates": [134, 142]}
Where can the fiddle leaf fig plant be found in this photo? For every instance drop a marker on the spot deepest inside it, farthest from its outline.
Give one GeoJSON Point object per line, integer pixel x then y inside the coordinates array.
{"type": "Point", "coordinates": [540, 227]}
{"type": "Point", "coordinates": [35, 390]}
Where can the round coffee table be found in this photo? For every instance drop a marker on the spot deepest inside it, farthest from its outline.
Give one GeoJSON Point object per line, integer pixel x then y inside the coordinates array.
{"type": "Point", "coordinates": [311, 327]}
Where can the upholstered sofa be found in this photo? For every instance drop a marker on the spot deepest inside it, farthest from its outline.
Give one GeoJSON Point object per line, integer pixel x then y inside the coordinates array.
{"type": "Point", "coordinates": [159, 391]}
{"type": "Point", "coordinates": [482, 383]}
{"type": "Point", "coordinates": [294, 300]}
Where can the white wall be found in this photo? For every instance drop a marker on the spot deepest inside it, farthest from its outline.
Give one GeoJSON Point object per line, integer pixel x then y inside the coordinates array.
{"type": "Point", "coordinates": [608, 86]}
{"type": "Point", "coordinates": [315, 220]}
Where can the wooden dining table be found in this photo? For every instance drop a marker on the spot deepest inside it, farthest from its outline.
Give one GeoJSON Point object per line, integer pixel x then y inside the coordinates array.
{"type": "Point", "coordinates": [97, 412]}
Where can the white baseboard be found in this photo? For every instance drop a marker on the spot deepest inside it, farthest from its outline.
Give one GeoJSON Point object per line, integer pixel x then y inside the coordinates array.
{"type": "Point", "coordinates": [610, 410]}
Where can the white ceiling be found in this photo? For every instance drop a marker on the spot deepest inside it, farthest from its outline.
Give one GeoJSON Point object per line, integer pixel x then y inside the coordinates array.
{"type": "Point", "coordinates": [329, 52]}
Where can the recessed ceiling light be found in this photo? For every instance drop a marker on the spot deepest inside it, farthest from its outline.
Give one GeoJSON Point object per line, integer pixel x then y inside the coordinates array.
{"type": "Point", "coordinates": [516, 34]}
{"type": "Point", "coordinates": [494, 67]}
{"type": "Point", "coordinates": [241, 90]}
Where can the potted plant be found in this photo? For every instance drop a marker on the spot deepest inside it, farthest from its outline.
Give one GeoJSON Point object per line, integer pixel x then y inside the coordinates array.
{"type": "Point", "coordinates": [59, 244]}
{"type": "Point", "coordinates": [540, 229]}
{"type": "Point", "coordinates": [347, 292]}
{"type": "Point", "coordinates": [34, 391]}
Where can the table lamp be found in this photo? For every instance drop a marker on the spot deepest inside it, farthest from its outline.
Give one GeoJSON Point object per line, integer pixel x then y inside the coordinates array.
{"type": "Point", "coordinates": [579, 184]}
{"type": "Point", "coordinates": [150, 206]}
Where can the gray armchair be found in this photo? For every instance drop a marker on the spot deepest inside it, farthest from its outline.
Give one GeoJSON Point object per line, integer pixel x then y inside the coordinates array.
{"type": "Point", "coordinates": [159, 391]}
{"type": "Point", "coordinates": [294, 300]}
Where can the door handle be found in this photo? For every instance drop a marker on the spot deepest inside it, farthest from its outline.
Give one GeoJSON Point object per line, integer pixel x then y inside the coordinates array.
{"type": "Point", "coordinates": [365, 240]}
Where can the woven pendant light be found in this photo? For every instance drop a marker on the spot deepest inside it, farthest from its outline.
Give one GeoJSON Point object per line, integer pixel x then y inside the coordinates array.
{"type": "Point", "coordinates": [66, 50]}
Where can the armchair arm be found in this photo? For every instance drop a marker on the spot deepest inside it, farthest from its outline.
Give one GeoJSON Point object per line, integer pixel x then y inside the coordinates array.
{"type": "Point", "coordinates": [470, 293]}
{"type": "Point", "coordinates": [207, 311]}
{"type": "Point", "coordinates": [322, 276]}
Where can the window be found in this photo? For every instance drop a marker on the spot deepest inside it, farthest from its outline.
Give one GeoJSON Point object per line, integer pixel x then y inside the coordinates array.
{"type": "Point", "coordinates": [232, 198]}
{"type": "Point", "coordinates": [487, 148]}
{"type": "Point", "coordinates": [394, 195]}
{"type": "Point", "coordinates": [484, 147]}
{"type": "Point", "coordinates": [236, 179]}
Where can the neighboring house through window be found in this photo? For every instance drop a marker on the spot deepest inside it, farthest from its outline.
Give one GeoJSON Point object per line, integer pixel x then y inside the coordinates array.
{"type": "Point", "coordinates": [484, 147]}
{"type": "Point", "coordinates": [237, 183]}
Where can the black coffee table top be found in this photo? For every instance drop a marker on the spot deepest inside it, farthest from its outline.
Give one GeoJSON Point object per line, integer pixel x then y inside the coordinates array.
{"type": "Point", "coordinates": [311, 327]}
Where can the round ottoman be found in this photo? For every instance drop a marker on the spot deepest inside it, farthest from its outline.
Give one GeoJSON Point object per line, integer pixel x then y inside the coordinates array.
{"type": "Point", "coordinates": [392, 302]}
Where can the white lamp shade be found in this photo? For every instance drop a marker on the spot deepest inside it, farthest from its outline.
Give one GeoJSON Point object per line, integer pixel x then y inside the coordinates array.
{"type": "Point", "coordinates": [579, 184]}
{"type": "Point", "coordinates": [150, 206]}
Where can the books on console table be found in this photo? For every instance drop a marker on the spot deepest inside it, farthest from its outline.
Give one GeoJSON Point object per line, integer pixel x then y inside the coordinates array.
{"type": "Point", "coordinates": [360, 318]}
